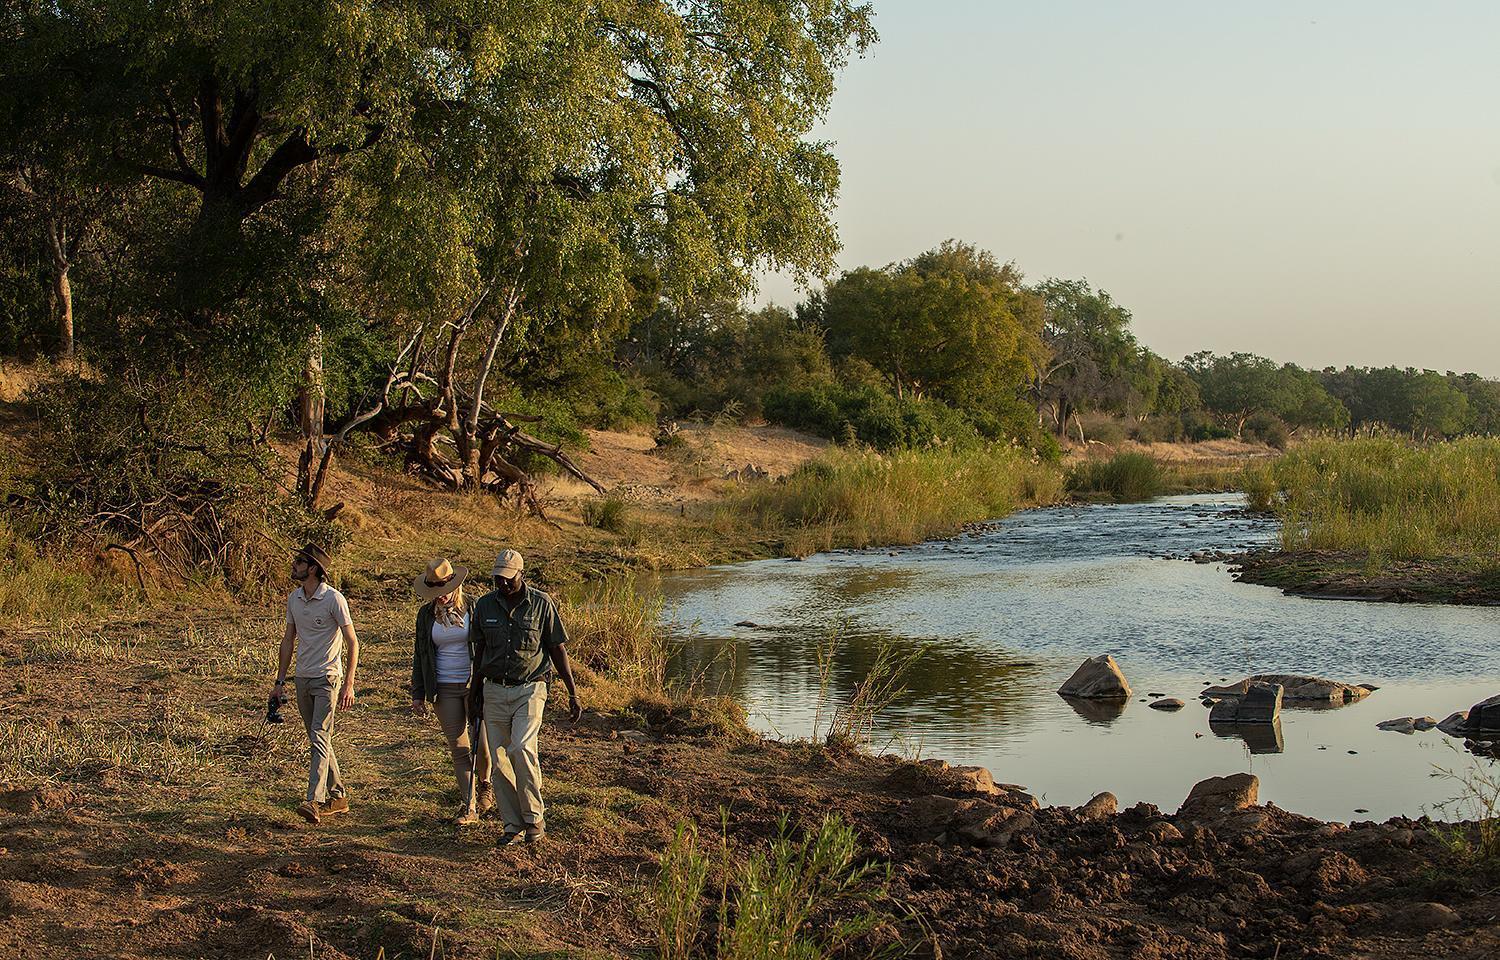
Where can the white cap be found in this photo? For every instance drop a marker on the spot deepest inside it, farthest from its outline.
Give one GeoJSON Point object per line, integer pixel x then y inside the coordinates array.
{"type": "Point", "coordinates": [508, 564]}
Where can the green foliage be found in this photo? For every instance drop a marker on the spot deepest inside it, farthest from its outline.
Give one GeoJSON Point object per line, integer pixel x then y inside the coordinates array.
{"type": "Point", "coordinates": [805, 899]}
{"type": "Point", "coordinates": [1420, 402]}
{"type": "Point", "coordinates": [1242, 384]}
{"type": "Point", "coordinates": [1125, 477]}
{"type": "Point", "coordinates": [868, 415]}
{"type": "Point", "coordinates": [952, 322]}
{"type": "Point", "coordinates": [1267, 428]}
{"type": "Point", "coordinates": [1391, 500]}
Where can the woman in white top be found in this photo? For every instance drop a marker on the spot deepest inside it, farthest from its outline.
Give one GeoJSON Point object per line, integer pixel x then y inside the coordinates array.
{"type": "Point", "coordinates": [440, 668]}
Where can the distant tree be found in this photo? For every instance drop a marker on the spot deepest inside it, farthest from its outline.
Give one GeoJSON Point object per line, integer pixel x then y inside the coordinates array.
{"type": "Point", "coordinates": [953, 323]}
{"type": "Point", "coordinates": [1240, 385]}
{"type": "Point", "coordinates": [1094, 361]}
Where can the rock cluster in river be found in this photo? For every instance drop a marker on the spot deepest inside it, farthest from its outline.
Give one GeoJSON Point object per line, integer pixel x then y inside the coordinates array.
{"type": "Point", "coordinates": [1297, 688]}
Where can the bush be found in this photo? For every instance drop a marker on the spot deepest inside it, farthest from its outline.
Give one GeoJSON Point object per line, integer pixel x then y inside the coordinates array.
{"type": "Point", "coordinates": [150, 468]}
{"type": "Point", "coordinates": [1268, 429]}
{"type": "Point", "coordinates": [610, 514]}
{"type": "Point", "coordinates": [1103, 428]}
{"type": "Point", "coordinates": [869, 415]}
{"type": "Point", "coordinates": [1125, 477]}
{"type": "Point", "coordinates": [1159, 429]}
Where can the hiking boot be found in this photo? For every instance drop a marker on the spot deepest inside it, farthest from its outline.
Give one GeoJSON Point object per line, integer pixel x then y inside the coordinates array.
{"type": "Point", "coordinates": [334, 805]}
{"type": "Point", "coordinates": [508, 838]}
{"type": "Point", "coordinates": [535, 832]}
{"type": "Point", "coordinates": [484, 798]}
{"type": "Point", "coordinates": [309, 811]}
{"type": "Point", "coordinates": [466, 816]}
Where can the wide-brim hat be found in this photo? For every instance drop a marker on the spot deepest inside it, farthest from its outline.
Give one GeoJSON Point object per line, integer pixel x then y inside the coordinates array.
{"type": "Point", "coordinates": [315, 554]}
{"type": "Point", "coordinates": [439, 579]}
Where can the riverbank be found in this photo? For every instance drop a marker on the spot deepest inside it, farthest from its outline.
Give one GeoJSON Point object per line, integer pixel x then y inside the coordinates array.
{"type": "Point", "coordinates": [1382, 519]}
{"type": "Point", "coordinates": [158, 822]}
{"type": "Point", "coordinates": [1342, 575]}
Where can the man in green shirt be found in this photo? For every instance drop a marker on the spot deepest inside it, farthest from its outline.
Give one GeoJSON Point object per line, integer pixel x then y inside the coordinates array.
{"type": "Point", "coordinates": [517, 640]}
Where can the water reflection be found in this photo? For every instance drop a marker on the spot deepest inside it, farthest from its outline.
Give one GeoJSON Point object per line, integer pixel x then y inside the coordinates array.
{"type": "Point", "coordinates": [1258, 737]}
{"type": "Point", "coordinates": [1095, 711]}
{"type": "Point", "coordinates": [1011, 611]}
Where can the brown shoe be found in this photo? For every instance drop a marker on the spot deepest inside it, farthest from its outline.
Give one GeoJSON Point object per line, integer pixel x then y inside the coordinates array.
{"type": "Point", "coordinates": [334, 805]}
{"type": "Point", "coordinates": [467, 816]}
{"type": "Point", "coordinates": [309, 811]}
{"type": "Point", "coordinates": [535, 832]}
{"type": "Point", "coordinates": [484, 798]}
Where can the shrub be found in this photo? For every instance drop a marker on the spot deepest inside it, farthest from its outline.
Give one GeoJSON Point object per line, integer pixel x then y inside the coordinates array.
{"type": "Point", "coordinates": [610, 514]}
{"type": "Point", "coordinates": [1268, 429]}
{"type": "Point", "coordinates": [1124, 477]}
{"type": "Point", "coordinates": [805, 899]}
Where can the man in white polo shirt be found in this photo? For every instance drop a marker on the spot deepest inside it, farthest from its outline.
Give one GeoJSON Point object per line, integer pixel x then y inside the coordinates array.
{"type": "Point", "coordinates": [318, 625]}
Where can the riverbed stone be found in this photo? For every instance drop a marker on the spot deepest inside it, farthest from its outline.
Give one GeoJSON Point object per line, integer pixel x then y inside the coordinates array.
{"type": "Point", "coordinates": [1455, 724]}
{"type": "Point", "coordinates": [1168, 703]}
{"type": "Point", "coordinates": [1098, 678]}
{"type": "Point", "coordinates": [1100, 807]}
{"type": "Point", "coordinates": [1259, 703]}
{"type": "Point", "coordinates": [1297, 688]}
{"type": "Point", "coordinates": [1405, 725]}
{"type": "Point", "coordinates": [1219, 795]}
{"type": "Point", "coordinates": [1423, 723]}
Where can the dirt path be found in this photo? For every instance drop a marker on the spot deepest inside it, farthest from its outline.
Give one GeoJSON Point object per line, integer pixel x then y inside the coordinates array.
{"type": "Point", "coordinates": [164, 827]}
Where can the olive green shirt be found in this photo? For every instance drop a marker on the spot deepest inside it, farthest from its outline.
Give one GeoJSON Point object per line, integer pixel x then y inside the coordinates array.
{"type": "Point", "coordinates": [514, 645]}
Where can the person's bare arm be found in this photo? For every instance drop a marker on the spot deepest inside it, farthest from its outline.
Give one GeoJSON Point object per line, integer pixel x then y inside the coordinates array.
{"type": "Point", "coordinates": [351, 651]}
{"type": "Point", "coordinates": [284, 658]}
{"type": "Point", "coordinates": [564, 667]}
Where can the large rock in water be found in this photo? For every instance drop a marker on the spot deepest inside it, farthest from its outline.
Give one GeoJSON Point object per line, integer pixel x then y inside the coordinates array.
{"type": "Point", "coordinates": [1260, 703]}
{"type": "Point", "coordinates": [1220, 795]}
{"type": "Point", "coordinates": [1479, 722]}
{"type": "Point", "coordinates": [1296, 688]}
{"type": "Point", "coordinates": [1484, 719]}
{"type": "Point", "coordinates": [1098, 678]}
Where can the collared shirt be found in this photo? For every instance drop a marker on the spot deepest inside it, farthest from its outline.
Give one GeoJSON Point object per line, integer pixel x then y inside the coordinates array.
{"type": "Point", "coordinates": [317, 619]}
{"type": "Point", "coordinates": [514, 644]}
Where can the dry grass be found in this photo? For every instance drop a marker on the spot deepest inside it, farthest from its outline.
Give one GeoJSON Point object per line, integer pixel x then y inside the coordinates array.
{"type": "Point", "coordinates": [848, 498]}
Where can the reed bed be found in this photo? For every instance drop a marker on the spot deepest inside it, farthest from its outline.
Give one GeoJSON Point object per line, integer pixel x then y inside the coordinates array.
{"type": "Point", "coordinates": [1387, 499]}
{"type": "Point", "coordinates": [859, 498]}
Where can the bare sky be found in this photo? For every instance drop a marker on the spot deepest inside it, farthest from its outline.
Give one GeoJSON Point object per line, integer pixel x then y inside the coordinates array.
{"type": "Point", "coordinates": [1313, 181]}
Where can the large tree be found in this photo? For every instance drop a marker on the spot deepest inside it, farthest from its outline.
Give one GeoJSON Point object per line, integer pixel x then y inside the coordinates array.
{"type": "Point", "coordinates": [450, 179]}
{"type": "Point", "coordinates": [953, 323]}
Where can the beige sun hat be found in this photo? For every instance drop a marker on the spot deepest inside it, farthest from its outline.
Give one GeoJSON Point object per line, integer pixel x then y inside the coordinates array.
{"type": "Point", "coordinates": [508, 564]}
{"type": "Point", "coordinates": [439, 579]}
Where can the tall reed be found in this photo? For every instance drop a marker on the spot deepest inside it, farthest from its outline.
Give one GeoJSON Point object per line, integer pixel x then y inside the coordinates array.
{"type": "Point", "coordinates": [858, 498]}
{"type": "Point", "coordinates": [1389, 499]}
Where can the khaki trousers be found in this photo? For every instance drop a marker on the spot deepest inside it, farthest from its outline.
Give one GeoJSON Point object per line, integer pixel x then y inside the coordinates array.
{"type": "Point", "coordinates": [317, 702]}
{"type": "Point", "coordinates": [470, 761]}
{"type": "Point", "coordinates": [512, 719]}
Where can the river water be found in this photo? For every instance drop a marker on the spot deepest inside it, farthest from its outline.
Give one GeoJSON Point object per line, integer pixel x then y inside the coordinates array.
{"type": "Point", "coordinates": [1007, 614]}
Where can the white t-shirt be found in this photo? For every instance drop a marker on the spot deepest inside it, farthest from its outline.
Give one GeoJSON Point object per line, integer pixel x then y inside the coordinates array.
{"type": "Point", "coordinates": [452, 643]}
{"type": "Point", "coordinates": [317, 619]}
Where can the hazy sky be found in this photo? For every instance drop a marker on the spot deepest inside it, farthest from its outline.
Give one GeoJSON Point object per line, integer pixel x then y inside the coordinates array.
{"type": "Point", "coordinates": [1313, 181]}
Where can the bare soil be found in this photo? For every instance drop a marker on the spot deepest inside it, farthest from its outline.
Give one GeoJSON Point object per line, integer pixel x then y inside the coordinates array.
{"type": "Point", "coordinates": [157, 821]}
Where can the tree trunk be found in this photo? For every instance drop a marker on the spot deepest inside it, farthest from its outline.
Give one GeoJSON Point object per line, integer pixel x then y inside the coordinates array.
{"type": "Point", "coordinates": [310, 419]}
{"type": "Point", "coordinates": [62, 289]}
{"type": "Point", "coordinates": [469, 445]}
{"type": "Point", "coordinates": [64, 293]}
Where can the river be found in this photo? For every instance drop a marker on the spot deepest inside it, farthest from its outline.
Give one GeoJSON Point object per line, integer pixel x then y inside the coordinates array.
{"type": "Point", "coordinates": [1008, 612]}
